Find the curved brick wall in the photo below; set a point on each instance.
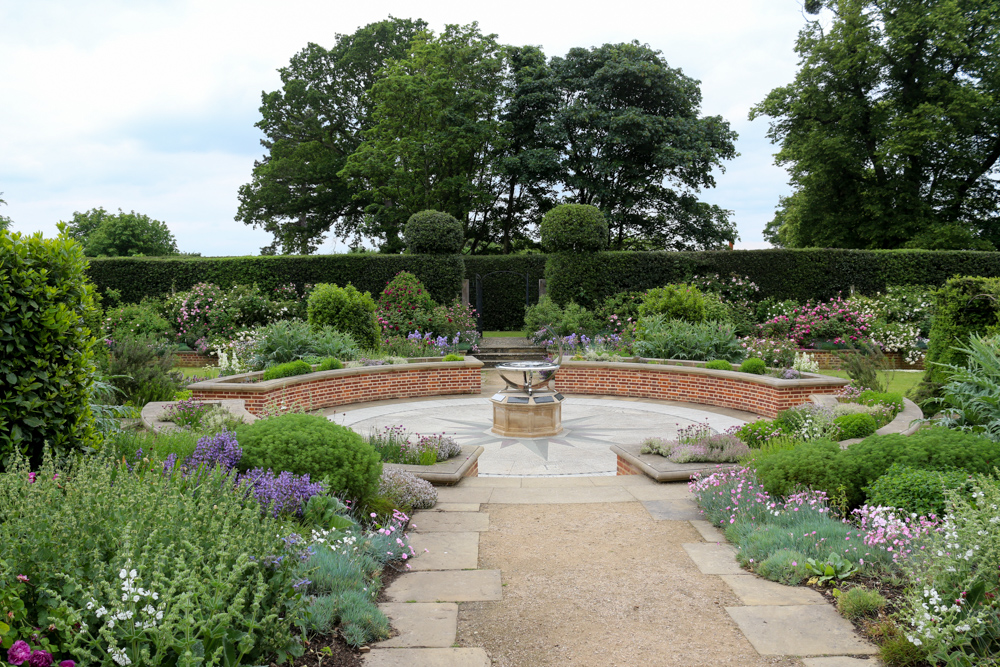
(758, 394)
(328, 389)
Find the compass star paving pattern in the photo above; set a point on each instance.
(590, 427)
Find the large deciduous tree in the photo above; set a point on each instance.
(311, 126)
(634, 146)
(891, 129)
(104, 234)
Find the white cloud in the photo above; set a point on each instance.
(150, 106)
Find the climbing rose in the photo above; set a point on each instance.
(18, 652)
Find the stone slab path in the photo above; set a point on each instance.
(781, 625)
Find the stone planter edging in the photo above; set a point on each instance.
(151, 413)
(447, 473)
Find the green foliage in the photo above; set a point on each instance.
(675, 302)
(759, 432)
(140, 320)
(285, 370)
(890, 398)
(866, 365)
(562, 321)
(719, 365)
(142, 371)
(910, 161)
(753, 365)
(285, 341)
(860, 602)
(73, 536)
(433, 233)
(917, 490)
(574, 228)
(452, 357)
(822, 465)
(312, 445)
(661, 338)
(405, 306)
(971, 399)
(347, 310)
(786, 566)
(330, 364)
(834, 567)
(859, 425)
(104, 234)
(46, 350)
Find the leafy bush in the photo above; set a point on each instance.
(719, 365)
(576, 228)
(290, 369)
(716, 309)
(347, 310)
(675, 302)
(890, 398)
(458, 318)
(330, 364)
(678, 339)
(807, 422)
(312, 445)
(786, 566)
(753, 365)
(98, 530)
(406, 489)
(971, 398)
(140, 320)
(281, 342)
(859, 425)
(563, 321)
(619, 312)
(916, 490)
(860, 602)
(142, 371)
(774, 352)
(199, 313)
(433, 233)
(404, 305)
(452, 357)
(866, 365)
(47, 349)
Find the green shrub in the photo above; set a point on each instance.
(47, 348)
(571, 319)
(287, 370)
(200, 313)
(719, 365)
(716, 309)
(281, 342)
(891, 398)
(330, 364)
(753, 365)
(786, 566)
(619, 311)
(458, 318)
(859, 425)
(404, 305)
(140, 320)
(866, 365)
(312, 445)
(142, 370)
(817, 464)
(453, 357)
(860, 602)
(433, 233)
(917, 491)
(661, 338)
(675, 302)
(970, 394)
(575, 228)
(347, 310)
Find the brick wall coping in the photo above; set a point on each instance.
(238, 384)
(445, 473)
(685, 367)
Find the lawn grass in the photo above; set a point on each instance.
(503, 334)
(200, 371)
(899, 381)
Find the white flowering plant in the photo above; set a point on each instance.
(952, 604)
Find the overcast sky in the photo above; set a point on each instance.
(150, 106)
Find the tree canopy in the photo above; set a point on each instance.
(494, 135)
(891, 129)
(5, 221)
(104, 234)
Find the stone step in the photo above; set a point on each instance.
(427, 657)
(421, 624)
(445, 551)
(505, 342)
(446, 586)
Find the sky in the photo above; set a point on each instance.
(150, 105)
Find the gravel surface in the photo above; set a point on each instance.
(601, 585)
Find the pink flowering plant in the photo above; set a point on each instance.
(836, 321)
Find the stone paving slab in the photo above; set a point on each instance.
(713, 558)
(454, 507)
(450, 522)
(622, 480)
(753, 591)
(672, 510)
(421, 624)
(709, 533)
(445, 551)
(491, 481)
(800, 630)
(668, 491)
(427, 657)
(840, 661)
(554, 496)
(464, 494)
(447, 586)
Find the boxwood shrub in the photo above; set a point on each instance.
(290, 369)
(347, 310)
(859, 425)
(433, 233)
(917, 490)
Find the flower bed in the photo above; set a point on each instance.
(689, 381)
(428, 376)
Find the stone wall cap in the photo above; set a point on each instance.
(696, 368)
(448, 472)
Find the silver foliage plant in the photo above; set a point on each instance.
(407, 489)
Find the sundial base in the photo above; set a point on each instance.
(518, 415)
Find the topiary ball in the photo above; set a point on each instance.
(574, 228)
(433, 233)
(312, 445)
(719, 365)
(753, 365)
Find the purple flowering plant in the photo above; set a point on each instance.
(187, 413)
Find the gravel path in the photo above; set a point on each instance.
(601, 585)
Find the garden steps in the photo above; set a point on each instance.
(493, 351)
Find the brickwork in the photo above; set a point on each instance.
(473, 471)
(195, 360)
(335, 388)
(626, 468)
(678, 383)
(828, 359)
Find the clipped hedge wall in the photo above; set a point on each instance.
(137, 277)
(503, 293)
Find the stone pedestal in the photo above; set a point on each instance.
(517, 415)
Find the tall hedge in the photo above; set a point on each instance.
(137, 277)
(45, 346)
(503, 293)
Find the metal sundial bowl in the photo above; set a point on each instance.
(521, 410)
(528, 370)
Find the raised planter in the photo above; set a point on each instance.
(152, 414)
(690, 382)
(428, 376)
(447, 473)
